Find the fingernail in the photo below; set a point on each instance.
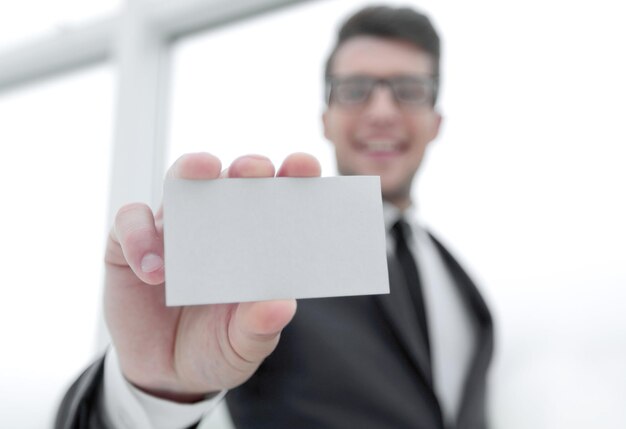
(151, 262)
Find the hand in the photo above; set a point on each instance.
(185, 353)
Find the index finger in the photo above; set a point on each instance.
(196, 166)
(191, 166)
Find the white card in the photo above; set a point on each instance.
(235, 240)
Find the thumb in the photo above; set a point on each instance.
(255, 328)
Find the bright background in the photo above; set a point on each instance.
(526, 183)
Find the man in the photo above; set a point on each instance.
(416, 358)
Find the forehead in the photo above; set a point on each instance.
(380, 57)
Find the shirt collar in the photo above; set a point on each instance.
(392, 214)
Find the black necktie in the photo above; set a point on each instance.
(409, 267)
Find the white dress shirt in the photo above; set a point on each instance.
(126, 407)
(451, 332)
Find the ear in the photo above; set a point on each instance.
(435, 125)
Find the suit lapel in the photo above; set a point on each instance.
(475, 380)
(399, 311)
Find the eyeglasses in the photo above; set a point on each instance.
(407, 90)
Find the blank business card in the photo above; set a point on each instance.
(236, 240)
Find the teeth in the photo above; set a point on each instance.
(381, 145)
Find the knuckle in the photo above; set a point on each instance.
(138, 237)
(130, 209)
(134, 225)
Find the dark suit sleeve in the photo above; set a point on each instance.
(79, 408)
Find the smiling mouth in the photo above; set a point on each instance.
(381, 147)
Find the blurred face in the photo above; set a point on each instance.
(380, 134)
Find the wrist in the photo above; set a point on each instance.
(167, 388)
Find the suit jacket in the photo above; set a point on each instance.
(360, 362)
(350, 362)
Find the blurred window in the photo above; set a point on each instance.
(54, 181)
(24, 20)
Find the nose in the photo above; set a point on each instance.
(382, 104)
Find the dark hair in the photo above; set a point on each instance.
(402, 23)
